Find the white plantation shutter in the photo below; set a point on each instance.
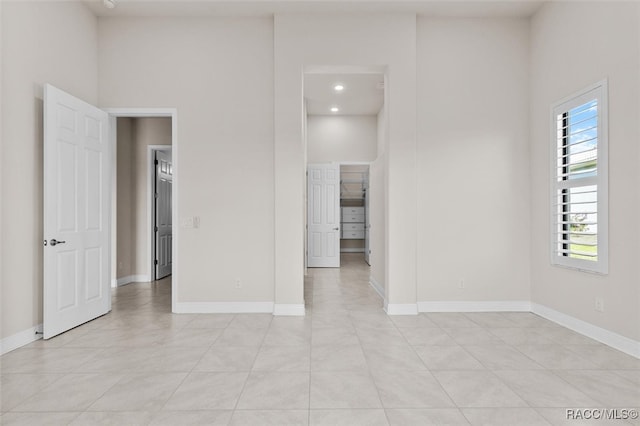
(579, 205)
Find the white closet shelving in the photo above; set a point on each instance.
(354, 182)
(354, 186)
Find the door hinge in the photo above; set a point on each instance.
(156, 195)
(155, 162)
(156, 261)
(155, 228)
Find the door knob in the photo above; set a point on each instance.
(55, 242)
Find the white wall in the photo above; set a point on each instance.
(341, 138)
(473, 167)
(574, 45)
(41, 43)
(377, 202)
(1, 165)
(125, 217)
(218, 73)
(365, 41)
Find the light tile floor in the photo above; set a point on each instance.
(345, 363)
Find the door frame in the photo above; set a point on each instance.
(306, 217)
(358, 163)
(348, 69)
(114, 114)
(151, 205)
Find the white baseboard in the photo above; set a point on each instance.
(223, 307)
(289, 309)
(352, 250)
(20, 339)
(475, 306)
(142, 278)
(616, 341)
(376, 286)
(400, 308)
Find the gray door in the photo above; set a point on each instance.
(162, 227)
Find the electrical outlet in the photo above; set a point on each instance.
(599, 302)
(238, 283)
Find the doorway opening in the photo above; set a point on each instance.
(145, 199)
(344, 130)
(354, 210)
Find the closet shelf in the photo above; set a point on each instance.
(354, 188)
(353, 194)
(354, 181)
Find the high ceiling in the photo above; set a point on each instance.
(362, 94)
(199, 8)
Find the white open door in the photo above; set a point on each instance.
(163, 228)
(76, 212)
(323, 215)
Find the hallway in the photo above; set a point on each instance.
(346, 362)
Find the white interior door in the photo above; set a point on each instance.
(76, 212)
(163, 227)
(323, 215)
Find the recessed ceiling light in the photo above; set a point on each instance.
(338, 87)
(335, 109)
(109, 4)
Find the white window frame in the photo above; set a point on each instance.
(597, 91)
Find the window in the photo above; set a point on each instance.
(579, 181)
